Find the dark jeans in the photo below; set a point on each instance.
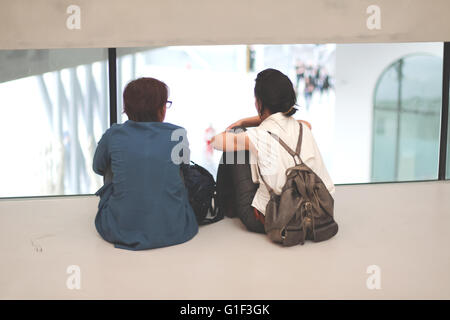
(236, 188)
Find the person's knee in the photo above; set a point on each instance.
(254, 226)
(248, 218)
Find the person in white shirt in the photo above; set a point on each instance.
(275, 102)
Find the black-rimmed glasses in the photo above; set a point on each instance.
(168, 104)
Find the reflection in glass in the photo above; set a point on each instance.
(407, 109)
(385, 131)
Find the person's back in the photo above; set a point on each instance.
(145, 205)
(273, 160)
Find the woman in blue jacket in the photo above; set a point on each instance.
(144, 203)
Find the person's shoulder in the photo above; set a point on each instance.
(309, 145)
(259, 136)
(307, 134)
(304, 125)
(175, 132)
(113, 128)
(172, 129)
(160, 126)
(171, 126)
(116, 129)
(257, 131)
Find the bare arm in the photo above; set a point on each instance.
(256, 121)
(228, 141)
(246, 122)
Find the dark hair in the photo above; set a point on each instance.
(275, 91)
(144, 98)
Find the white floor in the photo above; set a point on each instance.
(402, 228)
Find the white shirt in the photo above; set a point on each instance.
(274, 160)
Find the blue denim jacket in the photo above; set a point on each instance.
(143, 203)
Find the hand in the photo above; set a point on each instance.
(235, 124)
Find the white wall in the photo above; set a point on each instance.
(358, 67)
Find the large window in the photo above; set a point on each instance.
(212, 86)
(375, 109)
(54, 107)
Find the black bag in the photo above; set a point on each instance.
(201, 189)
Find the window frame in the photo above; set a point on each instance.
(399, 113)
(443, 152)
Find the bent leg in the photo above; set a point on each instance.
(245, 191)
(243, 188)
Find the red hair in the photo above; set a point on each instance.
(144, 98)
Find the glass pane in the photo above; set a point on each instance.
(417, 105)
(212, 86)
(421, 103)
(384, 150)
(419, 147)
(387, 89)
(360, 121)
(422, 84)
(55, 108)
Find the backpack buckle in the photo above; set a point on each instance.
(308, 206)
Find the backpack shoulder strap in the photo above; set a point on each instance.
(289, 150)
(295, 153)
(300, 138)
(264, 181)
